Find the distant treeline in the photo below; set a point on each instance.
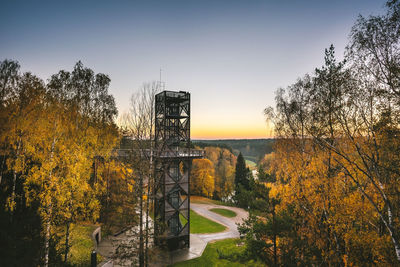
(252, 149)
(206, 144)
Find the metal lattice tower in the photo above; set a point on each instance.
(172, 169)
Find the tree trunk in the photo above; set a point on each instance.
(49, 213)
(397, 249)
(141, 254)
(13, 191)
(392, 234)
(67, 243)
(274, 236)
(386, 222)
(47, 237)
(2, 167)
(14, 182)
(146, 252)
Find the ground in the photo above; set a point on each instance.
(81, 244)
(198, 242)
(251, 164)
(220, 253)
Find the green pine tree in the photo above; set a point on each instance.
(241, 173)
(242, 183)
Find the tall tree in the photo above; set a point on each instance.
(224, 165)
(138, 124)
(91, 134)
(241, 174)
(23, 97)
(350, 120)
(346, 122)
(202, 177)
(9, 76)
(51, 134)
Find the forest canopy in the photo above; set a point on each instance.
(50, 134)
(333, 179)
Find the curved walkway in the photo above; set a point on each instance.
(230, 223)
(198, 242)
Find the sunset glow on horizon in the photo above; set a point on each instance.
(200, 133)
(229, 130)
(230, 55)
(210, 134)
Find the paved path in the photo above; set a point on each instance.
(230, 223)
(198, 242)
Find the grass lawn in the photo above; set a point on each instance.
(254, 159)
(211, 257)
(81, 245)
(202, 225)
(224, 212)
(251, 164)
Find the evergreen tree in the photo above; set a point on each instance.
(242, 184)
(241, 174)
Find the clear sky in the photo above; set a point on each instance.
(230, 55)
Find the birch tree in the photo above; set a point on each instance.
(50, 135)
(138, 124)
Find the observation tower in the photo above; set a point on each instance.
(172, 164)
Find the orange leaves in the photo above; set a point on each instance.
(202, 177)
(224, 165)
(337, 213)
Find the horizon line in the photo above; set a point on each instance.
(227, 139)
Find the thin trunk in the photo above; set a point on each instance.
(396, 248)
(141, 256)
(388, 225)
(67, 243)
(14, 181)
(47, 237)
(13, 192)
(147, 226)
(49, 212)
(150, 175)
(107, 194)
(2, 167)
(95, 170)
(394, 239)
(146, 257)
(274, 236)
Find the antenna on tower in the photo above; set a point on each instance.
(161, 83)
